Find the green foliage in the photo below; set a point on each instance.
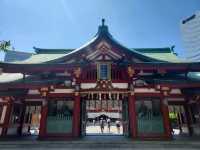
(5, 46)
(173, 115)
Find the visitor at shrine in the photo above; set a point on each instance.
(102, 125)
(94, 121)
(118, 126)
(108, 124)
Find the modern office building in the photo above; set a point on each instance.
(190, 30)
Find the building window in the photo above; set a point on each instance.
(104, 71)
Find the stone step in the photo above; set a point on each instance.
(98, 145)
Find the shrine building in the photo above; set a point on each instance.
(54, 93)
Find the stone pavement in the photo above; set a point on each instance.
(100, 143)
(90, 130)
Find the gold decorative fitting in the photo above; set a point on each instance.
(52, 87)
(76, 93)
(162, 71)
(158, 87)
(66, 73)
(132, 93)
(44, 91)
(165, 93)
(7, 98)
(130, 71)
(77, 72)
(165, 88)
(44, 94)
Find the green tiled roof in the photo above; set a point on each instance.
(41, 58)
(163, 54)
(45, 55)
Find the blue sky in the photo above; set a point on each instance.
(71, 23)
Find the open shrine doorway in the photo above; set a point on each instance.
(31, 123)
(179, 120)
(31, 119)
(22, 120)
(104, 114)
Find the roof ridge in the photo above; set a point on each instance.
(154, 50)
(49, 51)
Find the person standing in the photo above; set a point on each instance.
(118, 126)
(108, 124)
(102, 125)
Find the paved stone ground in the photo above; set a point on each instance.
(97, 130)
(100, 143)
(105, 141)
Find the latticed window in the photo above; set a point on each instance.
(104, 71)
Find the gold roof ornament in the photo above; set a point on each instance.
(44, 91)
(130, 71)
(77, 72)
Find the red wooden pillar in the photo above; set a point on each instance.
(43, 120)
(7, 118)
(132, 115)
(166, 121)
(76, 115)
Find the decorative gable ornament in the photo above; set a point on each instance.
(103, 47)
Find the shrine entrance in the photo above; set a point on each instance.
(104, 114)
(179, 120)
(31, 120)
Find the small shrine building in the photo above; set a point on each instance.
(53, 89)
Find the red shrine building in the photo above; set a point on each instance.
(56, 91)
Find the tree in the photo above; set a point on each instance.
(5, 46)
